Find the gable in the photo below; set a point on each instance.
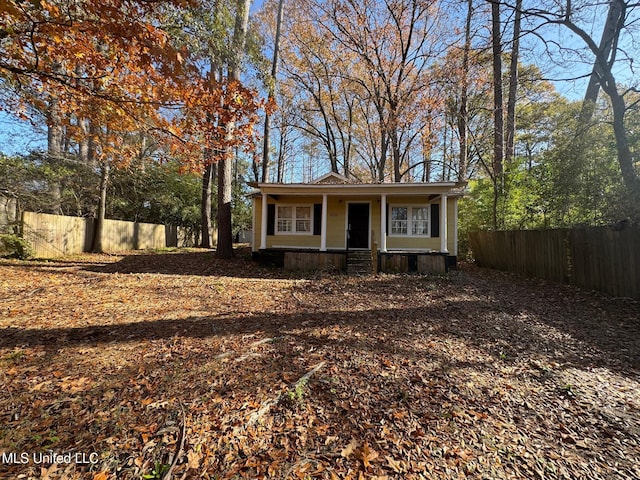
(331, 178)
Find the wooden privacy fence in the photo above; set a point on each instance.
(597, 258)
(58, 235)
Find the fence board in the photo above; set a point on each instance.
(597, 258)
(58, 235)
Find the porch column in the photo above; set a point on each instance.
(443, 224)
(455, 226)
(383, 223)
(263, 224)
(323, 228)
(254, 222)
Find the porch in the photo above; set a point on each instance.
(350, 262)
(404, 227)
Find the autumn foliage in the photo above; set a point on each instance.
(106, 69)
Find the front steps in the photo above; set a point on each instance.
(359, 263)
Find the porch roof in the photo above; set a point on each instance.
(451, 189)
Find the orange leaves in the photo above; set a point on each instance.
(449, 409)
(363, 453)
(218, 116)
(111, 65)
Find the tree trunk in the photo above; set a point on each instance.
(225, 231)
(464, 97)
(205, 207)
(513, 86)
(384, 149)
(55, 139)
(105, 171)
(625, 157)
(281, 157)
(272, 89)
(266, 140)
(609, 36)
(396, 155)
(498, 120)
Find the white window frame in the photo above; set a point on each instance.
(410, 220)
(294, 207)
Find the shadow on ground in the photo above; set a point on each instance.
(198, 263)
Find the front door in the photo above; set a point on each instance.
(358, 225)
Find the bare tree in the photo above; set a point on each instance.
(513, 85)
(608, 55)
(272, 88)
(464, 97)
(498, 111)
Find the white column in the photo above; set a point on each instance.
(443, 224)
(323, 231)
(263, 224)
(455, 226)
(254, 233)
(383, 223)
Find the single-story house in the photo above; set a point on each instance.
(333, 221)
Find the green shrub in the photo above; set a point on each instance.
(12, 246)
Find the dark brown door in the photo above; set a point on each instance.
(358, 225)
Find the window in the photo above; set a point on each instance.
(303, 219)
(399, 217)
(293, 219)
(285, 217)
(410, 220)
(419, 221)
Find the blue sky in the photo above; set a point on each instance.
(20, 137)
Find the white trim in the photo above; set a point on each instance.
(323, 224)
(293, 207)
(383, 223)
(410, 207)
(443, 224)
(415, 250)
(335, 175)
(253, 226)
(358, 189)
(455, 227)
(346, 224)
(296, 247)
(263, 226)
(367, 186)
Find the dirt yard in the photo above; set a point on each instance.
(177, 365)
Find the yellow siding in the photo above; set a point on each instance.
(296, 241)
(257, 222)
(413, 243)
(337, 222)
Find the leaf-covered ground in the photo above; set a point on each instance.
(177, 365)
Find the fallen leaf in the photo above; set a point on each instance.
(193, 460)
(367, 454)
(349, 449)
